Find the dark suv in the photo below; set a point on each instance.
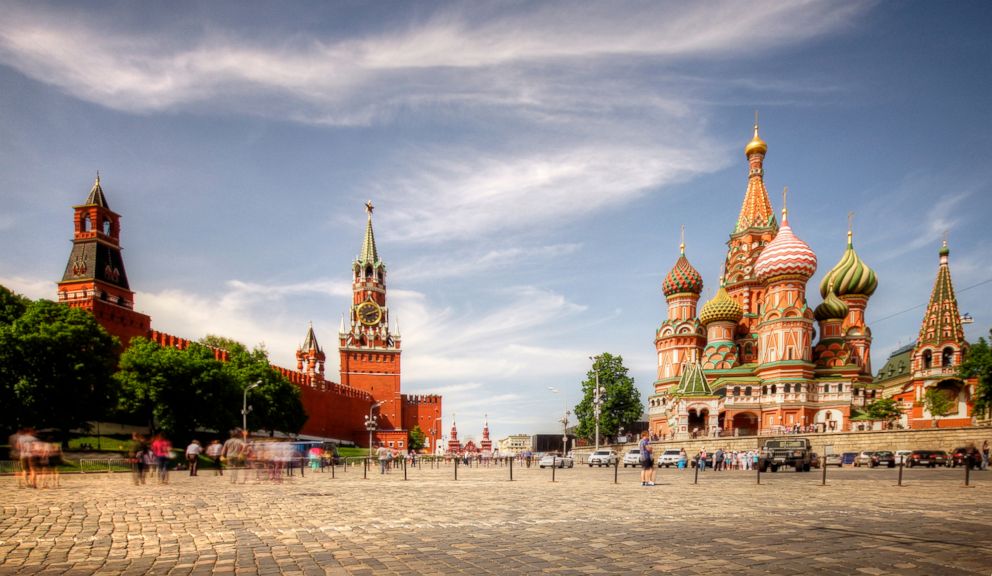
(961, 456)
(792, 452)
(883, 458)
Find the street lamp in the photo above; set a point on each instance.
(597, 398)
(245, 409)
(370, 423)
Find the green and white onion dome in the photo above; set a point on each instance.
(851, 276)
(832, 308)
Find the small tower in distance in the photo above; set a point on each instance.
(94, 277)
(310, 358)
(486, 445)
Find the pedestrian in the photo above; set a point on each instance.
(647, 462)
(702, 459)
(193, 456)
(683, 459)
(163, 453)
(718, 460)
(383, 454)
(985, 455)
(233, 454)
(214, 453)
(138, 449)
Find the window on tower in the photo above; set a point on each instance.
(927, 359)
(947, 356)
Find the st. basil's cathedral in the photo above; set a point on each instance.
(749, 362)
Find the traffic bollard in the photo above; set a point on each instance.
(696, 479)
(456, 468)
(365, 475)
(900, 471)
(616, 470)
(758, 468)
(967, 472)
(554, 464)
(332, 469)
(511, 470)
(824, 481)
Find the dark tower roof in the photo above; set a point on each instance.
(96, 197)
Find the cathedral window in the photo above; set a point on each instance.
(737, 390)
(774, 388)
(764, 390)
(106, 227)
(747, 390)
(787, 387)
(927, 359)
(87, 224)
(947, 356)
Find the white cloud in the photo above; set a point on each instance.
(32, 288)
(462, 262)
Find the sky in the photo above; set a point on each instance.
(531, 165)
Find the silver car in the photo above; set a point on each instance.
(553, 459)
(669, 457)
(632, 458)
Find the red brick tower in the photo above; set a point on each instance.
(94, 278)
(681, 337)
(756, 226)
(486, 445)
(370, 352)
(310, 358)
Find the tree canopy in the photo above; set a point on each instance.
(886, 409)
(621, 399)
(978, 364)
(56, 365)
(936, 402)
(417, 437)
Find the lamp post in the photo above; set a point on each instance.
(245, 409)
(597, 398)
(370, 424)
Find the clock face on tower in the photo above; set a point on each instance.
(369, 313)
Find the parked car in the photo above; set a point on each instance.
(556, 460)
(669, 458)
(602, 458)
(833, 460)
(928, 458)
(863, 459)
(883, 458)
(901, 456)
(632, 458)
(848, 458)
(791, 452)
(814, 460)
(961, 456)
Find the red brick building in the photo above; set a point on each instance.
(369, 345)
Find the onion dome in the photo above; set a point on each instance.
(756, 145)
(832, 308)
(786, 254)
(682, 278)
(851, 276)
(722, 308)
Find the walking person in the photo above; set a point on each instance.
(233, 453)
(383, 454)
(214, 453)
(163, 453)
(193, 452)
(985, 455)
(702, 459)
(138, 449)
(647, 462)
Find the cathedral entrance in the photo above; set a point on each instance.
(698, 421)
(745, 424)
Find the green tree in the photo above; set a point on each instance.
(978, 364)
(886, 409)
(937, 403)
(276, 402)
(178, 391)
(12, 306)
(56, 367)
(621, 399)
(417, 437)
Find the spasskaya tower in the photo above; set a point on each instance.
(370, 350)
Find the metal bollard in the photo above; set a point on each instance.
(554, 464)
(365, 475)
(823, 465)
(332, 469)
(967, 472)
(900, 470)
(456, 468)
(758, 468)
(616, 470)
(511, 470)
(696, 479)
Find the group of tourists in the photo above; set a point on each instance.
(38, 460)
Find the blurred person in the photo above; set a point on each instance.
(233, 454)
(383, 455)
(46, 454)
(985, 455)
(137, 453)
(25, 449)
(213, 452)
(193, 452)
(162, 449)
(647, 461)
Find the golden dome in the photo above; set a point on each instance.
(756, 145)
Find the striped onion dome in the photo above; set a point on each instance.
(851, 276)
(786, 254)
(721, 308)
(682, 278)
(832, 308)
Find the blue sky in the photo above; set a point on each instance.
(531, 164)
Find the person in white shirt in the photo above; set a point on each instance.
(193, 456)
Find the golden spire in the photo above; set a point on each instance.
(756, 145)
(850, 228)
(682, 241)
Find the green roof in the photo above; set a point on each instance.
(693, 381)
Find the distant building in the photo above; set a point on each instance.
(514, 444)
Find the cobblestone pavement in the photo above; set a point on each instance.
(583, 523)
